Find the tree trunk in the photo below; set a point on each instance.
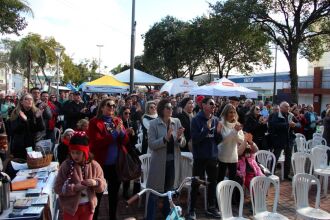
(29, 74)
(294, 78)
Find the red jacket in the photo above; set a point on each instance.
(100, 139)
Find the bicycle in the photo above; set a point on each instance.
(176, 211)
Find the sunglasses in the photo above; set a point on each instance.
(127, 113)
(211, 103)
(168, 106)
(257, 109)
(110, 105)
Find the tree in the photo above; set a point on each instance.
(162, 48)
(193, 47)
(11, 20)
(297, 27)
(232, 42)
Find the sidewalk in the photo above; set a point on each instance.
(286, 205)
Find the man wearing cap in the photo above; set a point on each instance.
(75, 111)
(206, 135)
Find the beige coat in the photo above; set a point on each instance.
(157, 131)
(69, 200)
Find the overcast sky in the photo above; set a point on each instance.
(80, 25)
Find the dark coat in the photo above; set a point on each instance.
(25, 133)
(73, 114)
(253, 126)
(185, 122)
(326, 132)
(281, 134)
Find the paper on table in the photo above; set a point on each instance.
(19, 166)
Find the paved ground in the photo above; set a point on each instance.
(285, 206)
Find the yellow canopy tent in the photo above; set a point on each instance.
(106, 84)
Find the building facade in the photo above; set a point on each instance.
(312, 89)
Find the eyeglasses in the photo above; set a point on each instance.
(127, 113)
(110, 105)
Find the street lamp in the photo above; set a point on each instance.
(58, 52)
(131, 75)
(99, 46)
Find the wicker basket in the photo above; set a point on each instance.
(34, 163)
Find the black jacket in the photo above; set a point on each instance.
(25, 133)
(253, 126)
(281, 134)
(73, 114)
(185, 122)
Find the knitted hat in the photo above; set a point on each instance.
(79, 141)
(199, 99)
(184, 102)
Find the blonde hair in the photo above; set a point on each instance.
(226, 110)
(19, 107)
(81, 123)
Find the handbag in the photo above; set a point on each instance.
(128, 165)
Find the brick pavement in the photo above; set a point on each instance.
(285, 206)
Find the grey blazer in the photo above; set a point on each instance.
(157, 131)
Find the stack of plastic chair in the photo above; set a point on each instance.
(320, 164)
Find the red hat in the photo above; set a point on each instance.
(79, 141)
(200, 98)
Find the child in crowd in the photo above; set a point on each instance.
(247, 167)
(78, 179)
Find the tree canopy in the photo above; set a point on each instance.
(11, 19)
(297, 27)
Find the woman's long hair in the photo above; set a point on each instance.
(19, 107)
(225, 112)
(252, 111)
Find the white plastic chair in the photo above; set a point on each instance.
(281, 160)
(186, 171)
(300, 144)
(316, 134)
(55, 152)
(300, 186)
(319, 141)
(308, 146)
(258, 190)
(57, 134)
(299, 135)
(300, 162)
(138, 145)
(268, 159)
(224, 196)
(320, 163)
(145, 164)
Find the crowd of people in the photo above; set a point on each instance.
(222, 135)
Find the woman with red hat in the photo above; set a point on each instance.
(78, 180)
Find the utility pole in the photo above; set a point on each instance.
(131, 75)
(99, 46)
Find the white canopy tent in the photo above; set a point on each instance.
(224, 87)
(179, 85)
(140, 78)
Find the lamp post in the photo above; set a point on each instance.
(131, 75)
(99, 46)
(58, 52)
